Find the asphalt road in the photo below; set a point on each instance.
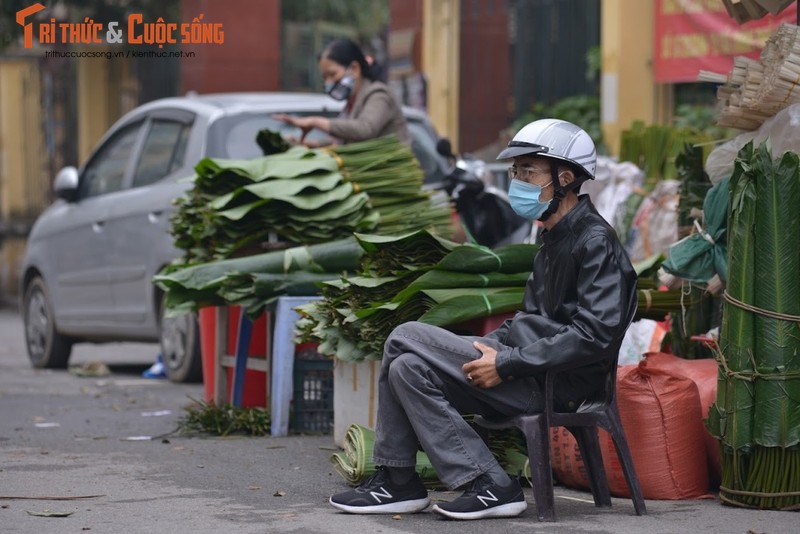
(69, 437)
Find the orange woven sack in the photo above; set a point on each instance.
(565, 458)
(660, 414)
(704, 374)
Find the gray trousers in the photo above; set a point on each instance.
(422, 394)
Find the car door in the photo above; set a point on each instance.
(78, 247)
(139, 223)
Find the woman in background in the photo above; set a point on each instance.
(371, 110)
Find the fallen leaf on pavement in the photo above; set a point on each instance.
(92, 369)
(48, 513)
(48, 497)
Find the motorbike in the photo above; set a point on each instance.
(484, 209)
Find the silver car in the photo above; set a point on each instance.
(92, 254)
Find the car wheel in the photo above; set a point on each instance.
(47, 349)
(180, 347)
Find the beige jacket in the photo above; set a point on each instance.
(375, 113)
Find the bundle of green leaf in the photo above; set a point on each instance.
(255, 281)
(413, 277)
(699, 258)
(757, 412)
(304, 196)
(355, 463)
(655, 303)
(653, 149)
(418, 277)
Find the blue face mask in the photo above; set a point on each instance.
(524, 198)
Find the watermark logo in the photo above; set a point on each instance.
(134, 31)
(22, 14)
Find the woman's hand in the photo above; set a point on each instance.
(306, 124)
(482, 372)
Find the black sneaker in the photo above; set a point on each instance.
(485, 499)
(379, 495)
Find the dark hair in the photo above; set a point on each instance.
(344, 52)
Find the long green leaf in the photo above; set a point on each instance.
(731, 418)
(777, 271)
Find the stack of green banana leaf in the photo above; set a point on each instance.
(418, 277)
(757, 412)
(304, 196)
(441, 284)
(255, 281)
(355, 463)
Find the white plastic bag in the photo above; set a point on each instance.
(614, 182)
(783, 130)
(655, 226)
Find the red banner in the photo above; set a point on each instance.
(695, 35)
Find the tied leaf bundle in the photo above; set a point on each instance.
(757, 412)
(355, 463)
(255, 281)
(700, 257)
(439, 285)
(304, 196)
(654, 149)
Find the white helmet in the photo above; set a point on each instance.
(557, 139)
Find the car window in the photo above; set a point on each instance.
(106, 170)
(235, 137)
(163, 151)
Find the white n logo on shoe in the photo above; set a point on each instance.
(485, 500)
(377, 495)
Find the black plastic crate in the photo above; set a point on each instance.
(312, 402)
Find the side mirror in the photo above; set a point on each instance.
(66, 184)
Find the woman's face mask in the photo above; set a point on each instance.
(524, 199)
(342, 88)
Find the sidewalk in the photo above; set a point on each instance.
(64, 436)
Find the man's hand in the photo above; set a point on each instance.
(483, 372)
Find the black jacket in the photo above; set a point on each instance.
(578, 302)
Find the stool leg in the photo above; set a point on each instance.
(242, 352)
(283, 363)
